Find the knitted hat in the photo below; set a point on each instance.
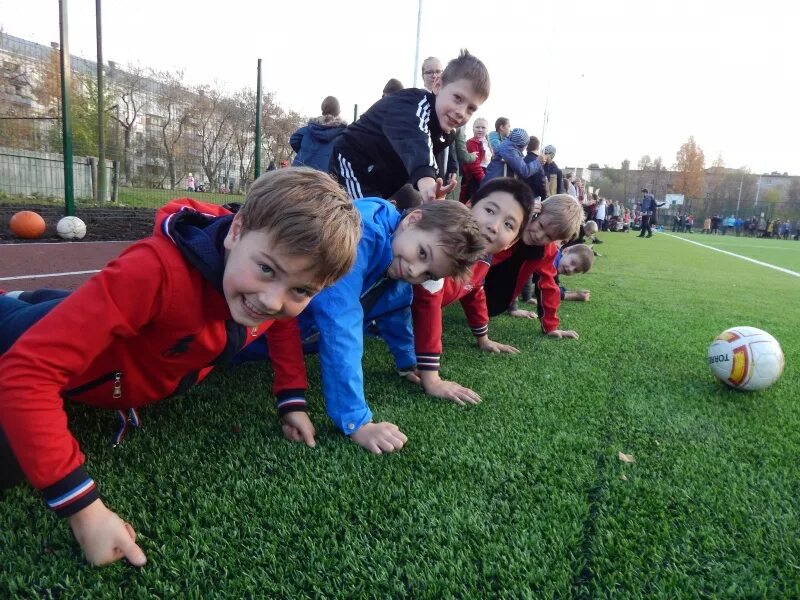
(550, 149)
(519, 137)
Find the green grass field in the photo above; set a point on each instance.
(522, 496)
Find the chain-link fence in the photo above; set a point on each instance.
(163, 136)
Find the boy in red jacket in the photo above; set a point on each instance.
(534, 255)
(502, 208)
(157, 319)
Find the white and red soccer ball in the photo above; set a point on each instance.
(746, 358)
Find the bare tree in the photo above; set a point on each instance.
(279, 125)
(132, 99)
(645, 163)
(214, 114)
(175, 106)
(244, 124)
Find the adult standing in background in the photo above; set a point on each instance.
(392, 86)
(648, 207)
(314, 142)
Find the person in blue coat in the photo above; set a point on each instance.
(313, 143)
(508, 160)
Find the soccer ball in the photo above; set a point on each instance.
(746, 358)
(27, 225)
(71, 228)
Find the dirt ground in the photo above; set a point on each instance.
(102, 224)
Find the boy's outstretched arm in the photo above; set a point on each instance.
(427, 312)
(548, 296)
(290, 384)
(477, 313)
(339, 317)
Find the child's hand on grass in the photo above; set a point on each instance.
(411, 375)
(523, 314)
(449, 390)
(583, 295)
(563, 333)
(297, 427)
(104, 537)
(487, 345)
(379, 437)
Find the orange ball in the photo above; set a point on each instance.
(27, 224)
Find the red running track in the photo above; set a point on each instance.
(53, 265)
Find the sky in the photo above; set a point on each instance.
(617, 79)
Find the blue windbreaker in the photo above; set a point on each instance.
(335, 318)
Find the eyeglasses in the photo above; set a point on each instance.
(435, 72)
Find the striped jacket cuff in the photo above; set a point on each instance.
(428, 362)
(74, 492)
(291, 401)
(481, 330)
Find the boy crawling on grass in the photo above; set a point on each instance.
(501, 208)
(157, 320)
(534, 255)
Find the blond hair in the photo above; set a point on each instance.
(583, 253)
(459, 236)
(565, 216)
(590, 227)
(468, 67)
(309, 215)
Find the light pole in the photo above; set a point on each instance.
(416, 52)
(739, 200)
(758, 190)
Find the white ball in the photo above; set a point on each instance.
(71, 228)
(746, 358)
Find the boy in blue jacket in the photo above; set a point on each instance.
(436, 240)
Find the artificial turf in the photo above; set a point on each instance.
(521, 496)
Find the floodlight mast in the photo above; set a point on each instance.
(416, 52)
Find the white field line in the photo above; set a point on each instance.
(44, 275)
(752, 260)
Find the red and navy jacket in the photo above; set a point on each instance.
(429, 300)
(150, 324)
(511, 268)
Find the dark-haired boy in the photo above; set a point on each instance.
(534, 255)
(501, 208)
(397, 139)
(157, 319)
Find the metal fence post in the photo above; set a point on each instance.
(257, 171)
(100, 196)
(66, 118)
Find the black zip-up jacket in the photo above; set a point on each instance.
(395, 142)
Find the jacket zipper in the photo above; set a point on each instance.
(115, 375)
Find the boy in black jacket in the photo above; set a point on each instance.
(396, 141)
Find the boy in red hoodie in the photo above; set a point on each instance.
(156, 320)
